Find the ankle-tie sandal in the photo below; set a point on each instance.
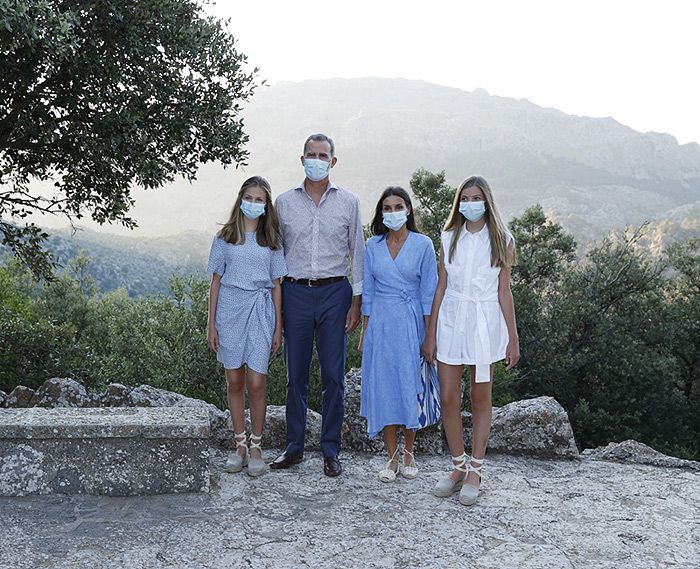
(389, 475)
(409, 471)
(446, 486)
(256, 466)
(469, 494)
(235, 461)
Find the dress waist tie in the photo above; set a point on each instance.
(409, 298)
(483, 342)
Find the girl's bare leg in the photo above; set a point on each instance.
(482, 409)
(255, 383)
(451, 404)
(235, 384)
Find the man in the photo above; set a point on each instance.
(321, 226)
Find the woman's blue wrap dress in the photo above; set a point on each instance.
(396, 295)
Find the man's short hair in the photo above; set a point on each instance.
(320, 138)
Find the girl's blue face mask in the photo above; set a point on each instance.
(252, 210)
(394, 220)
(473, 211)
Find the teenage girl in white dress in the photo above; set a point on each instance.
(472, 323)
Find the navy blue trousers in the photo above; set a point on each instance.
(315, 313)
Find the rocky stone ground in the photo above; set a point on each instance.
(533, 513)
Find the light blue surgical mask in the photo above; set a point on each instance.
(252, 210)
(316, 169)
(394, 220)
(473, 211)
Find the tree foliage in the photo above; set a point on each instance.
(100, 96)
(434, 197)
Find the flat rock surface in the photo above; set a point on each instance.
(533, 513)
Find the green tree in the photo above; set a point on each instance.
(434, 197)
(545, 252)
(101, 96)
(34, 346)
(681, 325)
(603, 356)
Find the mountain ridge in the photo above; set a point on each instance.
(591, 174)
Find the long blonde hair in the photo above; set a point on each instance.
(501, 256)
(268, 232)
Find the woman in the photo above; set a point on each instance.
(399, 283)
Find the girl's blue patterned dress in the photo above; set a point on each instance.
(245, 314)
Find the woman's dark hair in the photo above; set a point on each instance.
(377, 226)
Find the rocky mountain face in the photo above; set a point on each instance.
(446, 124)
(593, 174)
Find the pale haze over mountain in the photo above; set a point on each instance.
(591, 174)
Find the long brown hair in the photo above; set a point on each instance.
(268, 232)
(498, 233)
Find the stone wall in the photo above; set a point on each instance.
(536, 427)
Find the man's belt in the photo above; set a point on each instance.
(314, 282)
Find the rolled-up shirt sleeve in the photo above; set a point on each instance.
(428, 277)
(356, 245)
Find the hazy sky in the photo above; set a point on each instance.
(636, 61)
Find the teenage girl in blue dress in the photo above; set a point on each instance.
(245, 311)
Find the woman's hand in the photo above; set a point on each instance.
(213, 338)
(276, 341)
(429, 348)
(512, 353)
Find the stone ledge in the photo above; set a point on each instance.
(103, 423)
(114, 452)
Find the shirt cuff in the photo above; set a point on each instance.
(357, 288)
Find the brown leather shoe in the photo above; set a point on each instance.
(332, 466)
(285, 460)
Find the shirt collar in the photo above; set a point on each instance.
(330, 186)
(482, 234)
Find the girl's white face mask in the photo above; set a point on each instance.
(252, 210)
(473, 211)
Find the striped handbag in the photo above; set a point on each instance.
(429, 397)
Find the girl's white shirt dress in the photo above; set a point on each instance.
(471, 328)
